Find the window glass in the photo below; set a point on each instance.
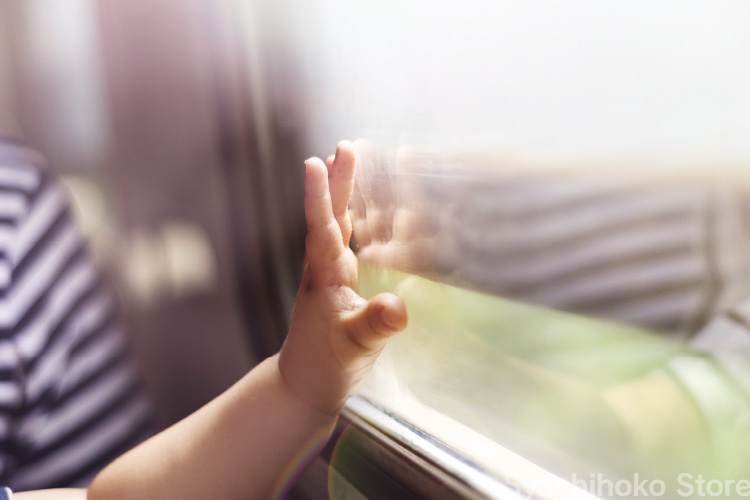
(558, 191)
(591, 320)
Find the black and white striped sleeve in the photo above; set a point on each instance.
(70, 400)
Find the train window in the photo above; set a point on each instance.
(557, 191)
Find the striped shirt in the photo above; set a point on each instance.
(70, 401)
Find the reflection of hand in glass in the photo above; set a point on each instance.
(392, 227)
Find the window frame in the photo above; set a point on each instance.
(374, 454)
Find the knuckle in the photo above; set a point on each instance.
(322, 247)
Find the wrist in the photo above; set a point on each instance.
(328, 412)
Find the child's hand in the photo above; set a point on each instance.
(335, 335)
(240, 444)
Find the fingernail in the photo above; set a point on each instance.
(384, 318)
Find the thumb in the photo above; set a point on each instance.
(371, 326)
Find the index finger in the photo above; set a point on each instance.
(324, 239)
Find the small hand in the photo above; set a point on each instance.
(335, 335)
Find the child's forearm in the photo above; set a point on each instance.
(238, 446)
(62, 494)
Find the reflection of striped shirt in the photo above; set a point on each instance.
(69, 397)
(665, 253)
(654, 249)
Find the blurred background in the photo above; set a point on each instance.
(147, 110)
(180, 128)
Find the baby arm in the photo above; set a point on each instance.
(238, 445)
